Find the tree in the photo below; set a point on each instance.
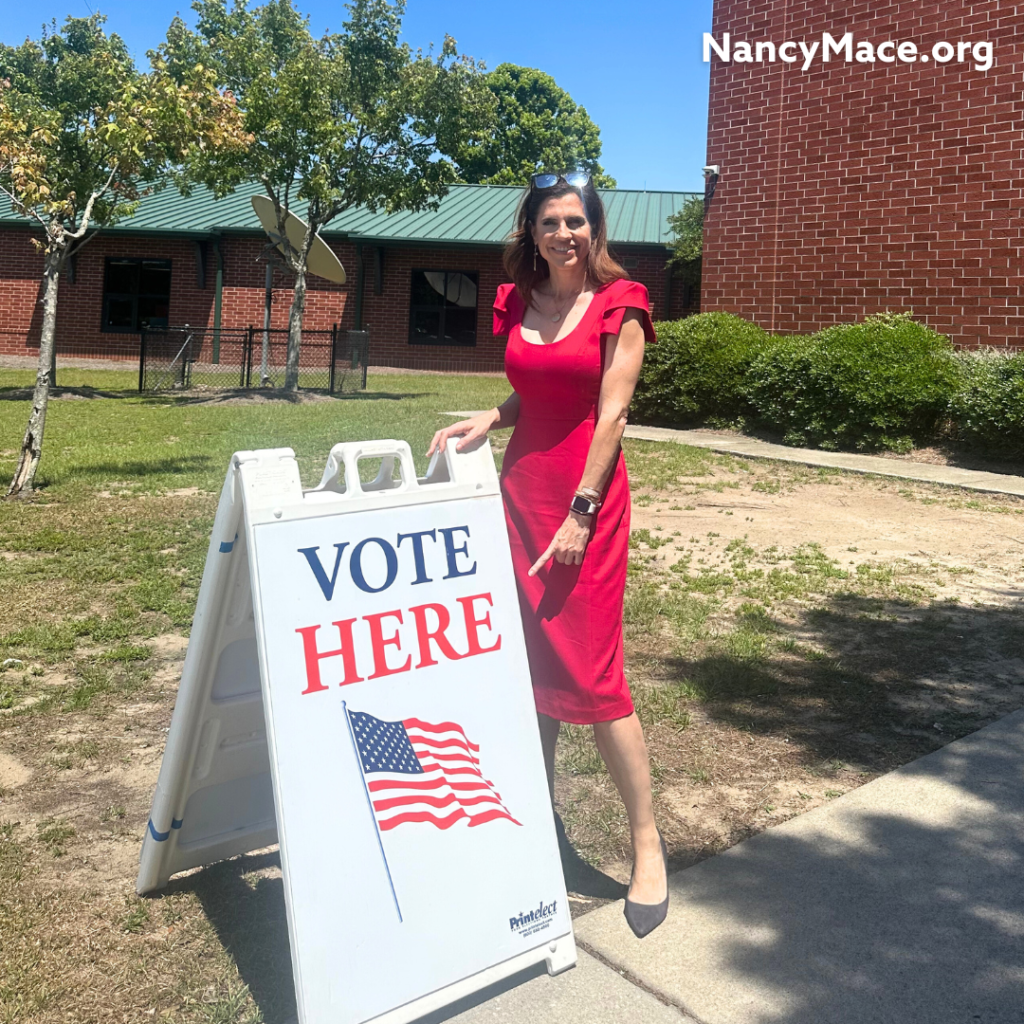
(687, 225)
(350, 119)
(83, 135)
(538, 127)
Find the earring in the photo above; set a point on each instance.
(534, 255)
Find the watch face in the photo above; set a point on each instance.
(582, 505)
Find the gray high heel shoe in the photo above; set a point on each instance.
(643, 918)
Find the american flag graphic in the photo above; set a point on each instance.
(421, 771)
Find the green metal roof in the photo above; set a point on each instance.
(468, 215)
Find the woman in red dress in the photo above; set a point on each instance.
(576, 330)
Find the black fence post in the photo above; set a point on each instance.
(334, 358)
(142, 359)
(243, 374)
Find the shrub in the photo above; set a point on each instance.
(988, 408)
(883, 383)
(696, 371)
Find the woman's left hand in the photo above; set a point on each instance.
(569, 545)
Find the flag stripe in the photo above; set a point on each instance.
(431, 784)
(416, 723)
(401, 819)
(433, 801)
(441, 744)
(451, 757)
(480, 819)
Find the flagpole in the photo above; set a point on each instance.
(369, 804)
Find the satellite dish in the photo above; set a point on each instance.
(321, 260)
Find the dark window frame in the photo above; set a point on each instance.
(134, 296)
(440, 341)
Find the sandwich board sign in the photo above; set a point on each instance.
(356, 688)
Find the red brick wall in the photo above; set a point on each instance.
(387, 314)
(851, 189)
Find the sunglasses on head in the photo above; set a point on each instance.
(577, 179)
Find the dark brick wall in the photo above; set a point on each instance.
(387, 313)
(851, 189)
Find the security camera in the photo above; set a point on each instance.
(711, 171)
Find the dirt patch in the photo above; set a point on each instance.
(968, 550)
(13, 773)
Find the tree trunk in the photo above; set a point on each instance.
(291, 373)
(32, 445)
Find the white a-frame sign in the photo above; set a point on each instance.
(356, 687)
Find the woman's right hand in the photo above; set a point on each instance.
(468, 430)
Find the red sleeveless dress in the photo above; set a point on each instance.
(572, 614)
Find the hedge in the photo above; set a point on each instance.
(883, 383)
(988, 409)
(697, 370)
(887, 382)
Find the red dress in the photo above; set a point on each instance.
(572, 614)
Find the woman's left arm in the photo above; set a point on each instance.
(624, 355)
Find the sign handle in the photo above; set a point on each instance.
(369, 804)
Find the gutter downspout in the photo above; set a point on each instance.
(360, 285)
(218, 289)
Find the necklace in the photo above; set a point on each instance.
(562, 308)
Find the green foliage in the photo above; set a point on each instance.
(346, 119)
(697, 370)
(988, 408)
(536, 126)
(83, 133)
(883, 383)
(687, 226)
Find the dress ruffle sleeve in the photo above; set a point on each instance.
(508, 310)
(624, 295)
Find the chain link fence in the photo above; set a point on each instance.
(199, 358)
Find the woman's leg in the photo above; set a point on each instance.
(622, 746)
(548, 739)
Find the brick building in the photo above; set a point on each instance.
(851, 187)
(197, 261)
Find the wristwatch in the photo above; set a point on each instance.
(583, 506)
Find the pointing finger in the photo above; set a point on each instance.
(539, 564)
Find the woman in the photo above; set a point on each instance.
(576, 329)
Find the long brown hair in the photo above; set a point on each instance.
(519, 249)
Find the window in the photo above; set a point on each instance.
(443, 308)
(136, 294)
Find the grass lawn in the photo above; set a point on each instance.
(790, 634)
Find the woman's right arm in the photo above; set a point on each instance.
(504, 415)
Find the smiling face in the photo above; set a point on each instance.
(562, 232)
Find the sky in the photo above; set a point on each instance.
(635, 66)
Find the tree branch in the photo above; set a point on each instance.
(25, 211)
(87, 212)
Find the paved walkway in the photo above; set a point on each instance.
(901, 902)
(752, 448)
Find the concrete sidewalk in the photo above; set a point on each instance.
(752, 448)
